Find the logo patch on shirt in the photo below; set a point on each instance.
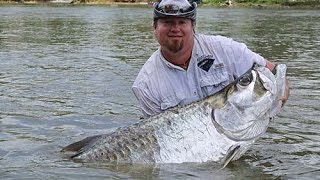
(205, 62)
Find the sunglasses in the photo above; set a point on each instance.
(174, 9)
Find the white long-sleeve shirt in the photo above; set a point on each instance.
(215, 62)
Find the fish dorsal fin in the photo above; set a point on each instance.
(77, 146)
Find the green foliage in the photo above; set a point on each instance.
(261, 1)
(306, 2)
(280, 2)
(246, 1)
(213, 1)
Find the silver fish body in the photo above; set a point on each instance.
(219, 128)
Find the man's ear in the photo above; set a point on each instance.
(154, 26)
(155, 34)
(194, 26)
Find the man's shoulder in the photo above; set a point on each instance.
(218, 42)
(213, 38)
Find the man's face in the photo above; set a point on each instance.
(174, 34)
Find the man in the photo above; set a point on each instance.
(188, 66)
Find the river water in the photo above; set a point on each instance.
(66, 73)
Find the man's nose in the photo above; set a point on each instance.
(175, 26)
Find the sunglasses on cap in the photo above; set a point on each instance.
(174, 9)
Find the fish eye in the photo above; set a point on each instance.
(245, 80)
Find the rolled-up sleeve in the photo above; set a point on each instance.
(243, 58)
(148, 104)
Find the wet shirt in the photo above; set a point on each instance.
(215, 62)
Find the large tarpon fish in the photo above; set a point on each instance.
(219, 128)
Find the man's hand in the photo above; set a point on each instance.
(285, 97)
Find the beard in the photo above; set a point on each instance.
(174, 45)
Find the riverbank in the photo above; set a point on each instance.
(205, 3)
(263, 3)
(266, 5)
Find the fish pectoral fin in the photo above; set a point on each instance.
(77, 146)
(232, 152)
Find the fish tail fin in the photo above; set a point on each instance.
(79, 146)
(232, 152)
